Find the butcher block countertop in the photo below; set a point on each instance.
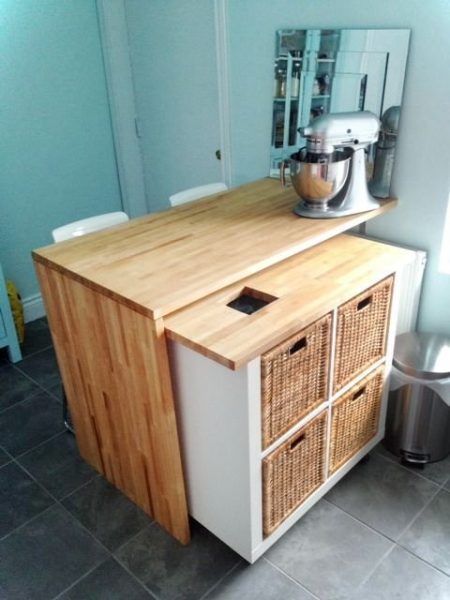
(306, 287)
(163, 262)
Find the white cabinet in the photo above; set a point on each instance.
(236, 482)
(8, 335)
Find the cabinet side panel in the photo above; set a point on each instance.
(114, 366)
(220, 447)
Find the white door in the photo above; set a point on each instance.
(173, 63)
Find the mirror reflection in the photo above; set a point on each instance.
(321, 71)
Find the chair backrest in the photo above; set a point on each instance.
(197, 193)
(89, 225)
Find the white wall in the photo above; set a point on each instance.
(422, 172)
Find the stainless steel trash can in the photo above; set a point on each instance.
(418, 415)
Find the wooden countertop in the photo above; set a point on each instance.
(307, 286)
(162, 262)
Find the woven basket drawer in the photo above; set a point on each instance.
(293, 471)
(361, 332)
(294, 378)
(355, 418)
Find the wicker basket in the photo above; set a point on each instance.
(293, 471)
(294, 378)
(361, 332)
(355, 417)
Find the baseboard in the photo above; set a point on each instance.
(33, 308)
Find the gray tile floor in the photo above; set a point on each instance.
(383, 533)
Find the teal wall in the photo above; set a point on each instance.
(422, 174)
(57, 161)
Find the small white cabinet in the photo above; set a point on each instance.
(8, 335)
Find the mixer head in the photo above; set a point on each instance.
(330, 176)
(351, 129)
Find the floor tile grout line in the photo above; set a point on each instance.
(34, 448)
(424, 507)
(59, 501)
(366, 525)
(10, 456)
(31, 354)
(80, 579)
(6, 464)
(397, 542)
(296, 581)
(409, 551)
(40, 386)
(44, 489)
(96, 475)
(25, 374)
(8, 363)
(107, 550)
(72, 585)
(55, 498)
(112, 552)
(135, 577)
(27, 397)
(220, 580)
(30, 397)
(377, 564)
(395, 461)
(33, 478)
(25, 523)
(136, 534)
(56, 502)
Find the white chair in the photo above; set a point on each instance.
(76, 229)
(197, 193)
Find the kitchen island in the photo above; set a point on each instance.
(113, 298)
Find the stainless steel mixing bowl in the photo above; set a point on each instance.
(319, 181)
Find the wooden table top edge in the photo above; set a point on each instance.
(236, 359)
(156, 311)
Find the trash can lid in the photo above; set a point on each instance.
(423, 355)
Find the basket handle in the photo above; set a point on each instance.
(357, 395)
(298, 440)
(299, 345)
(363, 303)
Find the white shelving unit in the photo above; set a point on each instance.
(219, 419)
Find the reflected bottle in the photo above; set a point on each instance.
(279, 84)
(316, 87)
(295, 81)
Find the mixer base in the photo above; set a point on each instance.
(303, 209)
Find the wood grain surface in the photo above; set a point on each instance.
(307, 286)
(106, 293)
(162, 262)
(114, 366)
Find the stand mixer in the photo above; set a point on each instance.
(329, 174)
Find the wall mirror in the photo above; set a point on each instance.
(319, 71)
